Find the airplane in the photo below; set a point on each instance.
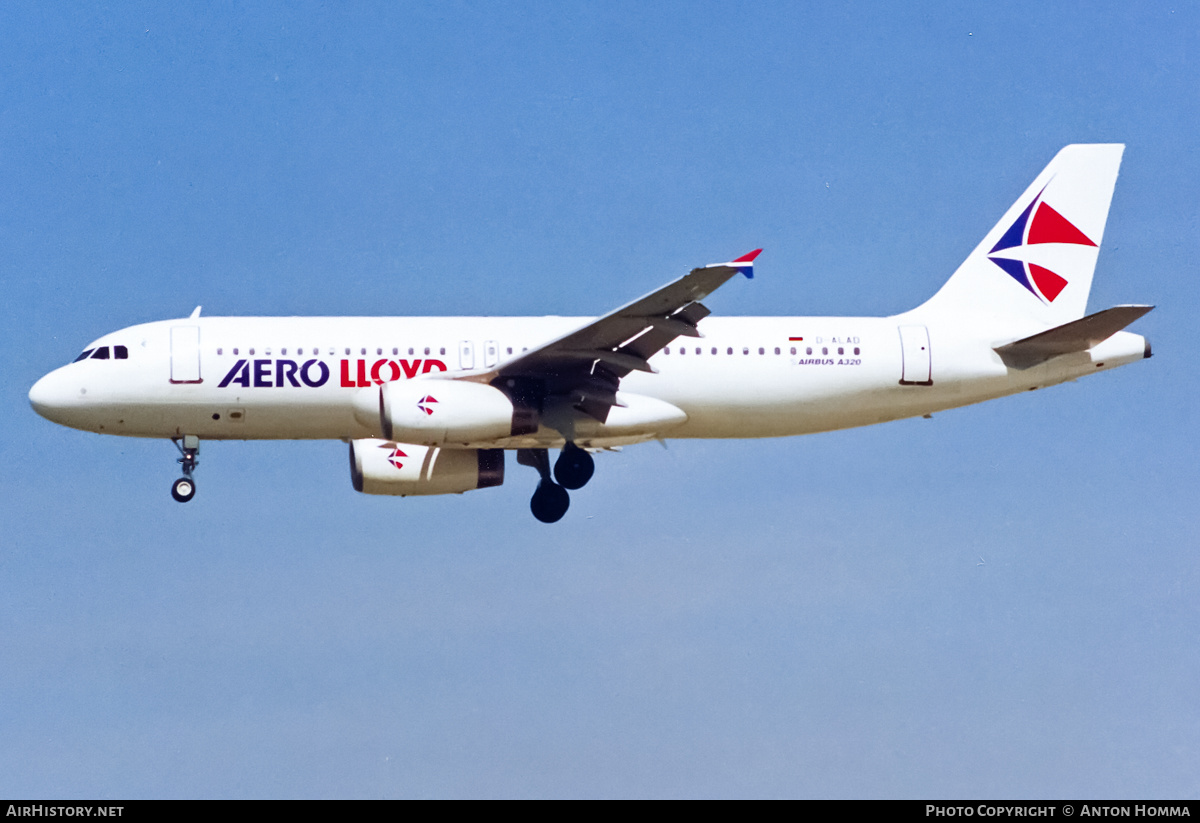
(430, 405)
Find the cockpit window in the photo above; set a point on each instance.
(87, 353)
(120, 353)
(101, 353)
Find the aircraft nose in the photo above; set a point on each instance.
(41, 397)
(51, 396)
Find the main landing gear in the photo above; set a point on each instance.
(572, 470)
(574, 467)
(184, 489)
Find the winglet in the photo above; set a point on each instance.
(745, 263)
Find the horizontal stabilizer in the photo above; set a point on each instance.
(1078, 335)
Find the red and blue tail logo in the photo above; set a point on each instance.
(1038, 224)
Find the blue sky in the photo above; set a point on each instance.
(998, 602)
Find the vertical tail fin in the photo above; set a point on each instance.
(1034, 268)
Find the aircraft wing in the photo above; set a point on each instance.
(584, 368)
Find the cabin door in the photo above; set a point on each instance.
(185, 354)
(917, 367)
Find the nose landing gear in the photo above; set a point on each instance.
(184, 489)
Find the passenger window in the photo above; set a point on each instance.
(86, 354)
(219, 350)
(745, 350)
(101, 353)
(697, 350)
(426, 350)
(281, 351)
(824, 350)
(714, 351)
(841, 350)
(510, 349)
(441, 351)
(793, 349)
(808, 350)
(410, 351)
(251, 352)
(761, 350)
(856, 351)
(729, 350)
(777, 350)
(235, 351)
(395, 351)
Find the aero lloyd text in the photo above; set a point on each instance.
(269, 373)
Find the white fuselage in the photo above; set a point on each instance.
(247, 378)
(427, 404)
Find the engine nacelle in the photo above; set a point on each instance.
(434, 412)
(387, 467)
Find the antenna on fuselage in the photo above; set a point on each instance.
(195, 312)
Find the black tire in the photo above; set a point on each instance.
(183, 489)
(574, 467)
(550, 502)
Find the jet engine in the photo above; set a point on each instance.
(387, 467)
(436, 412)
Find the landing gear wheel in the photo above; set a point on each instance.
(549, 502)
(183, 489)
(574, 467)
